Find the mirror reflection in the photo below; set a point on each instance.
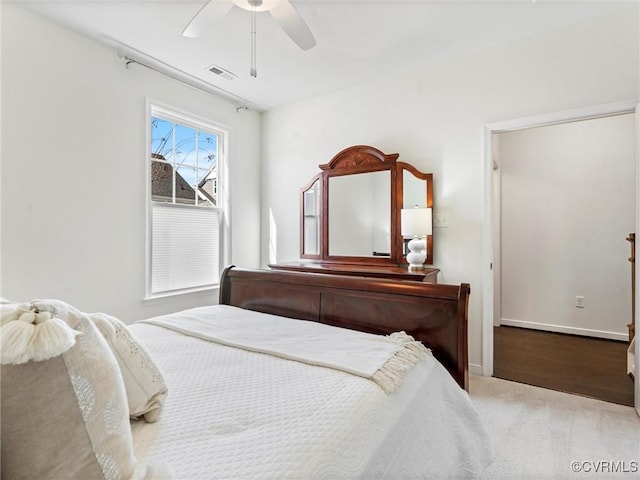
(311, 220)
(414, 191)
(360, 215)
(414, 194)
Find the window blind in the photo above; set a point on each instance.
(184, 247)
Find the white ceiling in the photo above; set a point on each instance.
(357, 40)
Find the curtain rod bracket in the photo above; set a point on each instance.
(127, 61)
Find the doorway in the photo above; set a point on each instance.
(563, 272)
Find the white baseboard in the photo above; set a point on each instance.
(475, 369)
(623, 337)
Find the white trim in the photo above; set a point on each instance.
(487, 255)
(585, 332)
(584, 113)
(206, 290)
(147, 199)
(608, 109)
(475, 369)
(637, 292)
(224, 200)
(182, 117)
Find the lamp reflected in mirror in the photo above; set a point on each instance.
(416, 223)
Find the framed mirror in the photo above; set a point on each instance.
(350, 212)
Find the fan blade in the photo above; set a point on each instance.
(206, 16)
(293, 24)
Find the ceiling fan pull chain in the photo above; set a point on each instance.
(253, 72)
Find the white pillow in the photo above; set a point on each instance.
(64, 416)
(145, 385)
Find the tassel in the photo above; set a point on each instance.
(16, 337)
(30, 334)
(51, 338)
(390, 375)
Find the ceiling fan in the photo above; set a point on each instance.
(283, 12)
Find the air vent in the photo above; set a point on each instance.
(221, 72)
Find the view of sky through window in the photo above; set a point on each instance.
(192, 153)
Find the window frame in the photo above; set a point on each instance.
(178, 116)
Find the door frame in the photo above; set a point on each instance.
(488, 225)
(637, 292)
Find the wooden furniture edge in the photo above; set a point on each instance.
(376, 271)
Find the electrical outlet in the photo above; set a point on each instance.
(440, 220)
(579, 301)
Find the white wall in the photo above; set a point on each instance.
(73, 170)
(434, 117)
(568, 195)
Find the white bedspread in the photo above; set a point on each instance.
(237, 414)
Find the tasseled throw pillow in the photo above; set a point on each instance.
(63, 403)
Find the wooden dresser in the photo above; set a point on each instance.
(429, 275)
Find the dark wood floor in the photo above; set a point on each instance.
(592, 367)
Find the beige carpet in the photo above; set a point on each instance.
(543, 434)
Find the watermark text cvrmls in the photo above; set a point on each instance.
(605, 466)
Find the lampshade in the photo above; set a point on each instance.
(415, 222)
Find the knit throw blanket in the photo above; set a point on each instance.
(383, 359)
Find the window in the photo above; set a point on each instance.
(186, 158)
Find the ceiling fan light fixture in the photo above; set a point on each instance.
(257, 5)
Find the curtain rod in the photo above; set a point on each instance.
(187, 80)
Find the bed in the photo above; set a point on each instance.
(436, 315)
(271, 383)
(233, 413)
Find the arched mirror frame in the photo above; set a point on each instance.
(428, 178)
(355, 160)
